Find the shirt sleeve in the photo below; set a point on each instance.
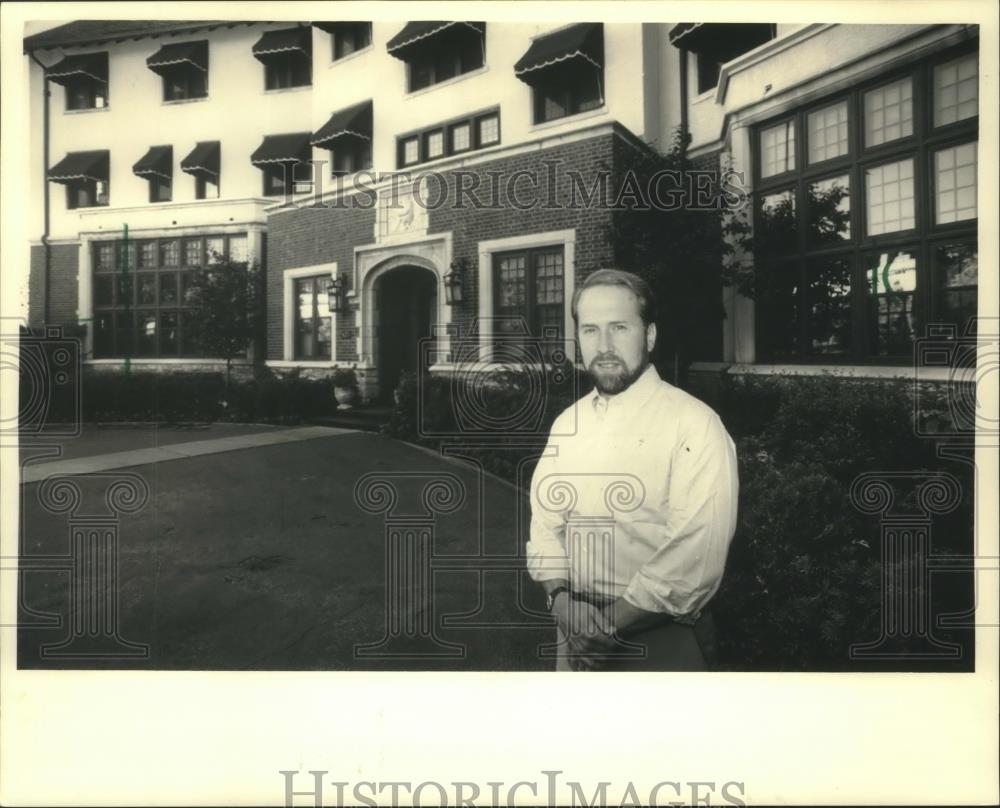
(545, 550)
(684, 573)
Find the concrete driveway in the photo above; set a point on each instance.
(260, 557)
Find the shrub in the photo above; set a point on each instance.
(467, 403)
(804, 576)
(203, 397)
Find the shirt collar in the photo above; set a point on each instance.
(633, 396)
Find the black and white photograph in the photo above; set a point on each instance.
(402, 411)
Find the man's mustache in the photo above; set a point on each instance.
(606, 358)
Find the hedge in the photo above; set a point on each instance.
(201, 397)
(804, 577)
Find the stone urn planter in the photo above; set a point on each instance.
(345, 388)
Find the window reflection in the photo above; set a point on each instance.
(146, 341)
(892, 283)
(957, 273)
(313, 323)
(779, 299)
(830, 306)
(829, 212)
(776, 233)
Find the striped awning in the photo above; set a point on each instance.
(203, 159)
(582, 44)
(419, 33)
(355, 121)
(287, 40)
(85, 165)
(191, 54)
(157, 162)
(92, 66)
(292, 148)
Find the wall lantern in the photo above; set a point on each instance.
(453, 282)
(335, 295)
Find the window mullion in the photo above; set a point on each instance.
(530, 281)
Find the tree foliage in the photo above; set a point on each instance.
(227, 314)
(682, 244)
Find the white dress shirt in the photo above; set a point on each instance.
(636, 497)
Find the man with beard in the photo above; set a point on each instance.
(633, 504)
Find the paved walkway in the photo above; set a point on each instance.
(268, 560)
(33, 472)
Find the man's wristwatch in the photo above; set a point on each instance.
(550, 599)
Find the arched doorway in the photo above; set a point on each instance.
(406, 311)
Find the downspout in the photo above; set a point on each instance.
(683, 73)
(45, 186)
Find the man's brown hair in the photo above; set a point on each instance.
(628, 280)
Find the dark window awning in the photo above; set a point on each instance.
(86, 165)
(682, 30)
(292, 148)
(203, 159)
(354, 121)
(92, 66)
(187, 54)
(287, 40)
(329, 27)
(581, 44)
(157, 162)
(418, 34)
(721, 40)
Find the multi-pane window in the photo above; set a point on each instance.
(312, 318)
(434, 144)
(529, 295)
(827, 132)
(777, 149)
(955, 180)
(410, 150)
(452, 137)
(889, 112)
(890, 196)
(829, 210)
(956, 270)
(461, 136)
(956, 90)
(142, 293)
(873, 236)
(489, 129)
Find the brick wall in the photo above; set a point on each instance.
(548, 207)
(63, 269)
(302, 238)
(298, 238)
